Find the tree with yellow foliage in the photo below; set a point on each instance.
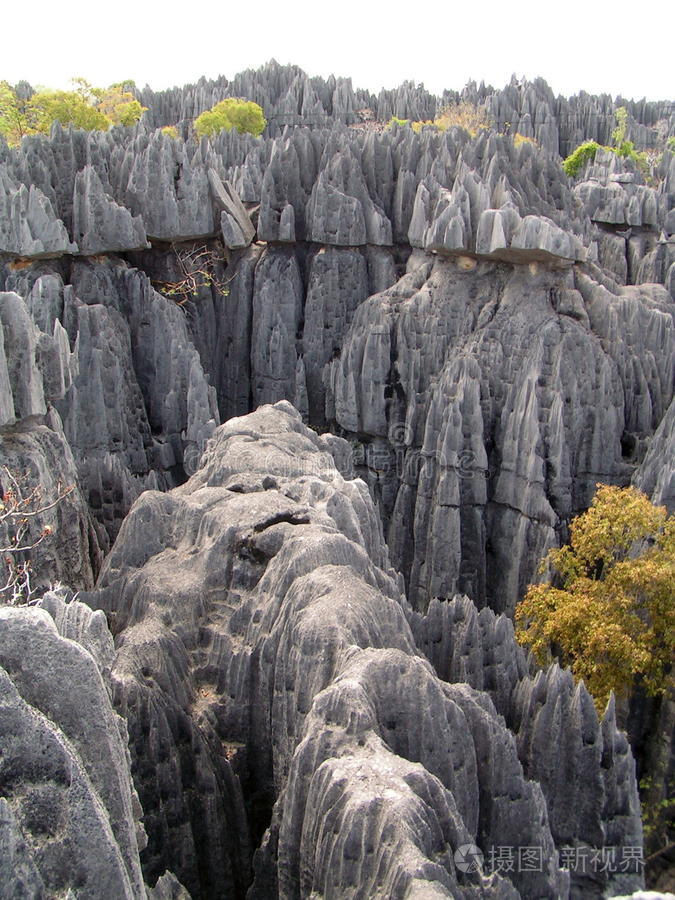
(469, 116)
(119, 105)
(609, 612)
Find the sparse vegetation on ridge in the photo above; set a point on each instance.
(464, 115)
(584, 153)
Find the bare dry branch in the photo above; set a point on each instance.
(197, 267)
(18, 507)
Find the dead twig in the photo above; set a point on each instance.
(197, 267)
(18, 509)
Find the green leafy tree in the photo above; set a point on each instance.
(68, 108)
(244, 115)
(610, 612)
(619, 133)
(16, 120)
(576, 161)
(85, 107)
(622, 146)
(86, 90)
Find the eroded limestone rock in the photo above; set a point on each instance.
(259, 620)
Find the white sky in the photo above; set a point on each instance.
(620, 48)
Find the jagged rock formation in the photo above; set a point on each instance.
(333, 186)
(559, 739)
(633, 235)
(290, 98)
(170, 193)
(123, 374)
(36, 369)
(293, 315)
(472, 219)
(260, 625)
(656, 475)
(36, 456)
(100, 225)
(235, 224)
(490, 338)
(70, 816)
(28, 225)
(287, 94)
(477, 388)
(35, 366)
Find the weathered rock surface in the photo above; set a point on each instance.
(116, 360)
(36, 461)
(35, 368)
(235, 224)
(290, 98)
(583, 765)
(266, 660)
(631, 220)
(292, 320)
(337, 184)
(340, 210)
(170, 193)
(615, 197)
(472, 219)
(233, 336)
(284, 191)
(70, 819)
(70, 812)
(338, 283)
(259, 624)
(28, 223)
(100, 225)
(505, 342)
(140, 399)
(333, 186)
(476, 391)
(656, 474)
(276, 315)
